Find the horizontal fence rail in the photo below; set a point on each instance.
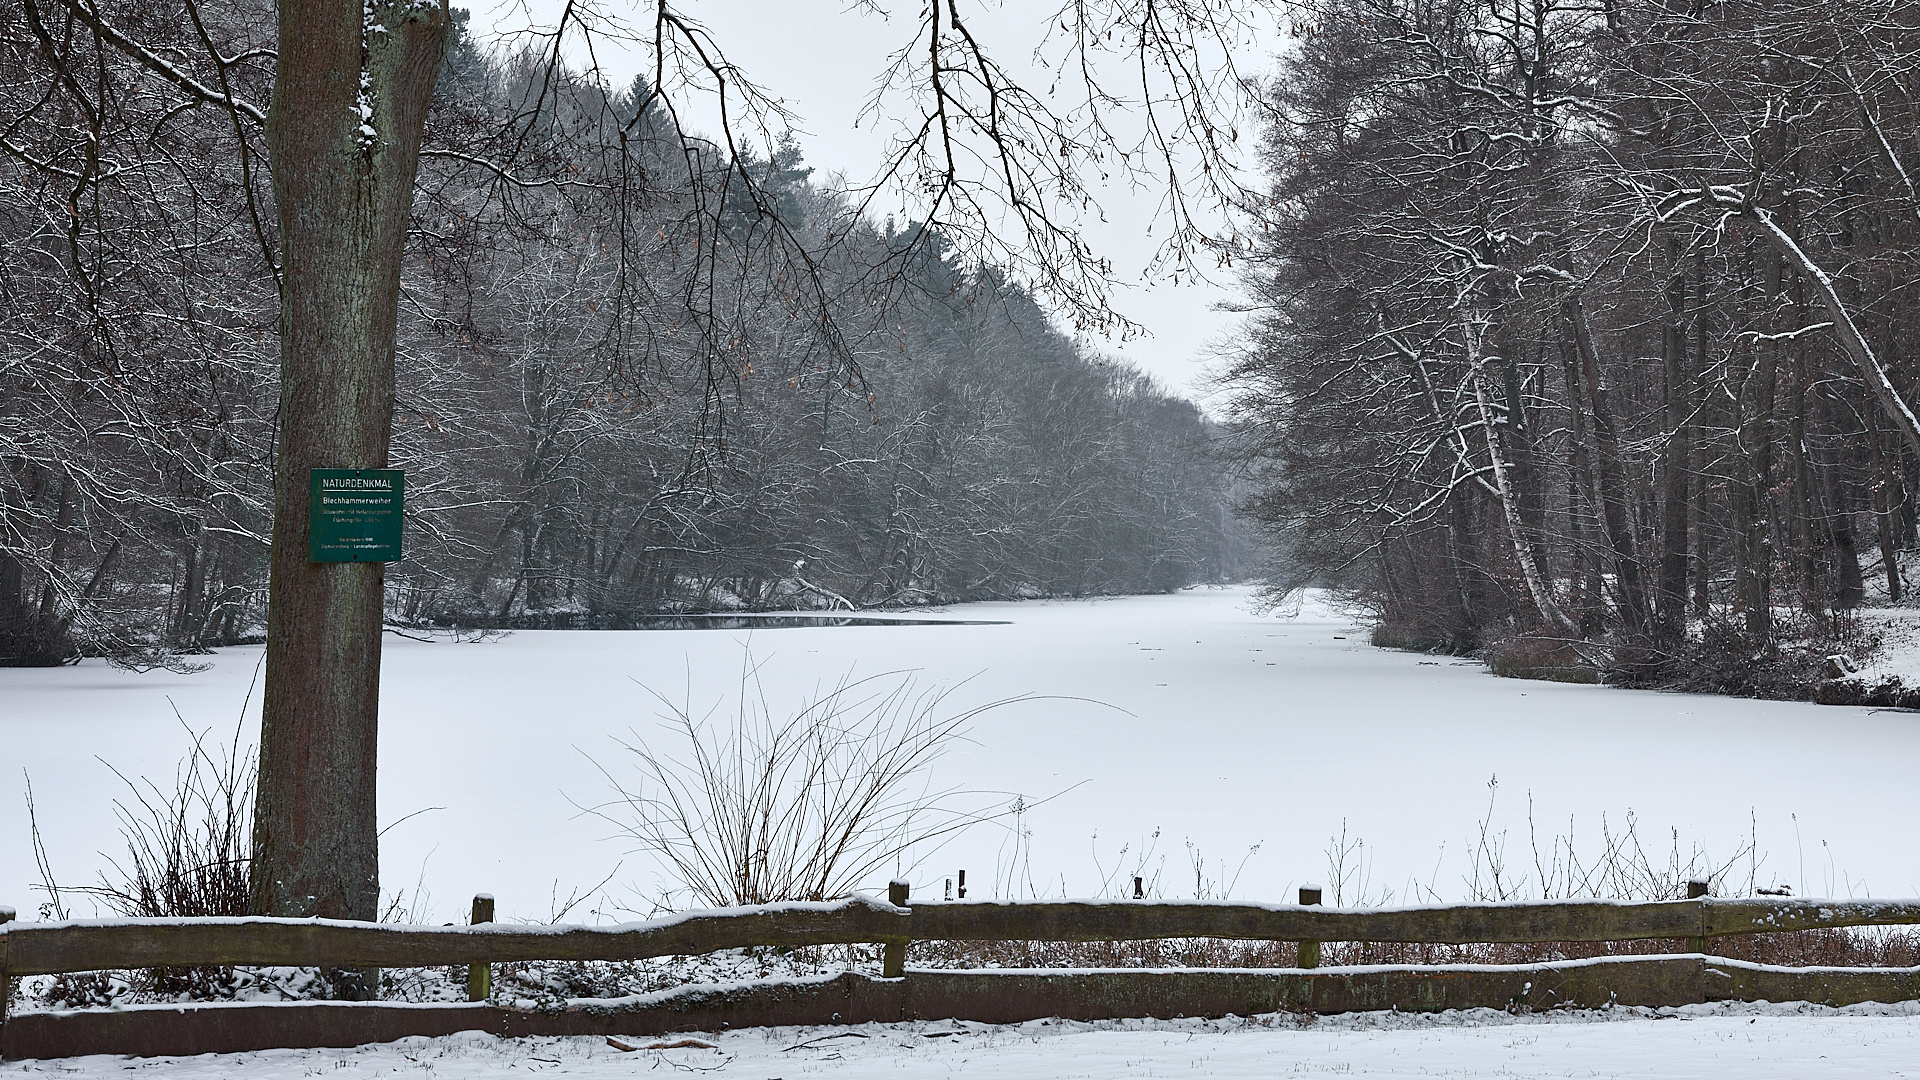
(93, 945)
(995, 996)
(88, 945)
(1462, 924)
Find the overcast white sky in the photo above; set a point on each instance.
(822, 57)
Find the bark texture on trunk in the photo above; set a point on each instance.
(1609, 484)
(349, 106)
(1670, 603)
(1539, 583)
(1753, 563)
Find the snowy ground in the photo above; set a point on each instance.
(1752, 1042)
(1185, 714)
(1898, 658)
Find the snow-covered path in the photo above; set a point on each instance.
(1185, 714)
(1748, 1042)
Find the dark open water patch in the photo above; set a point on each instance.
(719, 621)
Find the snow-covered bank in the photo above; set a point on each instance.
(1185, 714)
(1891, 674)
(1753, 1042)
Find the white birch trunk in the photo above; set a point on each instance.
(1537, 587)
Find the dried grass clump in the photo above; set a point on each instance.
(1545, 659)
(188, 851)
(1411, 637)
(762, 808)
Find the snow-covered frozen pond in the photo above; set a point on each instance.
(1186, 714)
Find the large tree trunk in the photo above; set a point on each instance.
(1753, 562)
(1809, 573)
(349, 105)
(1537, 577)
(1609, 484)
(1582, 506)
(13, 573)
(1701, 364)
(51, 624)
(1671, 597)
(1883, 485)
(1462, 557)
(1846, 582)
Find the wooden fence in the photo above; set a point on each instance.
(998, 996)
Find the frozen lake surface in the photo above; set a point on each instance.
(1186, 715)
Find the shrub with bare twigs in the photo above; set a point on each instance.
(187, 855)
(761, 808)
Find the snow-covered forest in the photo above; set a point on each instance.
(1592, 321)
(1572, 339)
(636, 372)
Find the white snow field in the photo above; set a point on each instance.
(1750, 1042)
(1187, 714)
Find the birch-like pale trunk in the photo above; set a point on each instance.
(1851, 339)
(1523, 553)
(1872, 371)
(349, 107)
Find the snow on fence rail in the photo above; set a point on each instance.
(997, 996)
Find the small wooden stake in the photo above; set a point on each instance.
(480, 976)
(1309, 950)
(1696, 889)
(1139, 888)
(963, 884)
(893, 959)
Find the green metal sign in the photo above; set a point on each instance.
(353, 515)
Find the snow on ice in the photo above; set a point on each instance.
(1187, 715)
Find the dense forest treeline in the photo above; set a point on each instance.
(1592, 323)
(637, 371)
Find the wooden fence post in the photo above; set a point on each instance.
(6, 981)
(480, 976)
(1697, 889)
(1309, 950)
(893, 959)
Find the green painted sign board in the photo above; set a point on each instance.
(353, 515)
